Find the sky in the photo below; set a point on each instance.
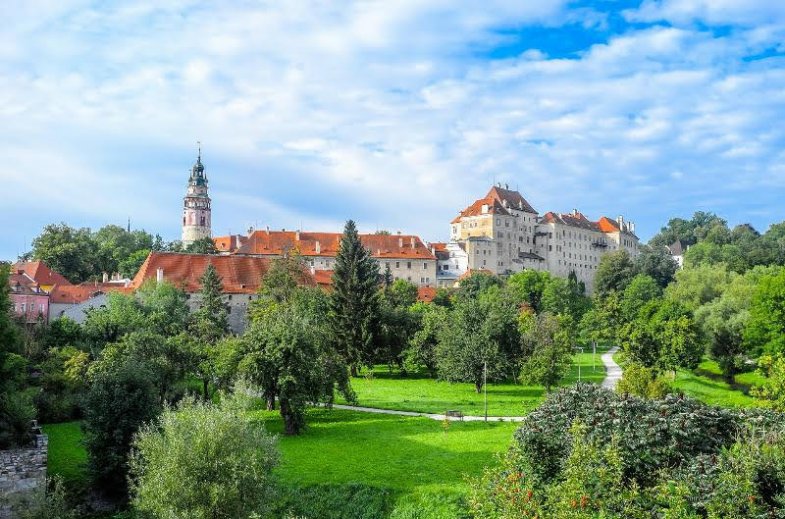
(395, 113)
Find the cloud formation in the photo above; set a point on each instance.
(396, 114)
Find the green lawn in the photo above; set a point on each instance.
(67, 456)
(706, 384)
(419, 392)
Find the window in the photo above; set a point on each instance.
(397, 264)
(446, 267)
(42, 309)
(24, 307)
(409, 265)
(425, 266)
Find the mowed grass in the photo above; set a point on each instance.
(402, 454)
(706, 384)
(67, 456)
(419, 392)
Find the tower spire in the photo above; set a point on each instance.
(199, 146)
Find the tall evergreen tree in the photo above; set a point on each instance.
(354, 303)
(210, 323)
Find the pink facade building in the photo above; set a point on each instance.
(30, 302)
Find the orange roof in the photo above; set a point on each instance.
(426, 294)
(439, 246)
(229, 243)
(240, 274)
(605, 224)
(469, 272)
(577, 219)
(323, 278)
(40, 272)
(276, 243)
(73, 294)
(494, 206)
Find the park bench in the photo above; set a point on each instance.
(455, 414)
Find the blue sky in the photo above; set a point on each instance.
(395, 113)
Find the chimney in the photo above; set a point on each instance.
(318, 247)
(400, 243)
(297, 235)
(268, 230)
(620, 221)
(313, 270)
(575, 212)
(507, 186)
(159, 275)
(104, 277)
(412, 241)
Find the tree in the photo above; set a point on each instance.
(565, 297)
(165, 307)
(765, 332)
(699, 285)
(548, 345)
(468, 344)
(477, 283)
(656, 263)
(283, 277)
(289, 358)
(527, 287)
(120, 315)
(640, 291)
(209, 324)
(202, 246)
(354, 301)
(723, 325)
(203, 461)
(68, 251)
(614, 272)
(422, 344)
(121, 398)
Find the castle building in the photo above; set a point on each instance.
(196, 205)
(503, 234)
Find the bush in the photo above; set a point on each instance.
(642, 381)
(201, 461)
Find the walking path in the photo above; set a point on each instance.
(612, 377)
(612, 370)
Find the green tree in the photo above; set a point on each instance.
(202, 246)
(283, 277)
(471, 341)
(16, 410)
(640, 291)
(165, 307)
(723, 325)
(209, 324)
(120, 315)
(201, 461)
(565, 297)
(354, 301)
(289, 358)
(477, 283)
(656, 263)
(422, 344)
(68, 251)
(699, 285)
(615, 271)
(527, 287)
(765, 332)
(548, 344)
(121, 398)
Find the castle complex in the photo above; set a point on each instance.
(500, 233)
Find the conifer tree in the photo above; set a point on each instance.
(210, 323)
(354, 304)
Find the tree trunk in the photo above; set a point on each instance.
(270, 399)
(353, 370)
(205, 383)
(290, 425)
(477, 387)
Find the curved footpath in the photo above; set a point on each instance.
(612, 377)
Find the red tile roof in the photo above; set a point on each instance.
(22, 283)
(469, 272)
(577, 219)
(229, 243)
(323, 278)
(494, 206)
(74, 294)
(426, 294)
(40, 272)
(276, 243)
(240, 274)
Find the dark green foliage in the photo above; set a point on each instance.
(614, 273)
(528, 287)
(565, 297)
(548, 345)
(165, 307)
(334, 502)
(657, 263)
(421, 351)
(210, 321)
(397, 323)
(202, 246)
(650, 435)
(121, 314)
(354, 301)
(81, 255)
(478, 333)
(288, 356)
(121, 398)
(477, 283)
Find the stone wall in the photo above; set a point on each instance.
(22, 471)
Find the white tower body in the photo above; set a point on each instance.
(196, 206)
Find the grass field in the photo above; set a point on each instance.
(707, 385)
(387, 390)
(67, 455)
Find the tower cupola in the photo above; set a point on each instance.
(196, 205)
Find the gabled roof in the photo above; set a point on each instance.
(577, 219)
(23, 284)
(240, 274)
(513, 199)
(676, 248)
(490, 204)
(74, 294)
(276, 243)
(426, 294)
(229, 243)
(40, 273)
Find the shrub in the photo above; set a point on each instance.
(201, 461)
(642, 381)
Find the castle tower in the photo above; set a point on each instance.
(196, 205)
